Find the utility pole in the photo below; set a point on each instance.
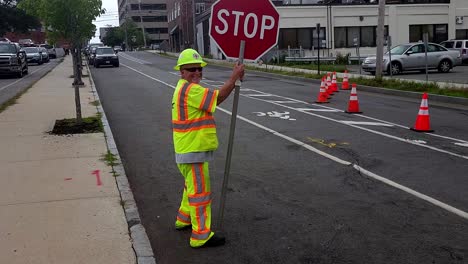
(142, 26)
(194, 27)
(125, 25)
(380, 40)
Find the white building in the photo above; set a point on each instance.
(343, 21)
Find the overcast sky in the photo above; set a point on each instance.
(111, 17)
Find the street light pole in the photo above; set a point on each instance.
(380, 40)
(194, 26)
(142, 26)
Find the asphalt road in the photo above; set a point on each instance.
(458, 74)
(10, 86)
(308, 183)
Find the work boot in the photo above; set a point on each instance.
(214, 241)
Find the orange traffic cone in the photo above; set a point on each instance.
(353, 105)
(322, 97)
(422, 120)
(333, 83)
(325, 85)
(329, 85)
(345, 83)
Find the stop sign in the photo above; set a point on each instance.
(254, 21)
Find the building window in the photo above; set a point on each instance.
(155, 19)
(437, 33)
(461, 34)
(299, 37)
(153, 6)
(136, 19)
(366, 36)
(200, 8)
(156, 30)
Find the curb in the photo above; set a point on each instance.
(140, 242)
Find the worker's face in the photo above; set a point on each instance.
(191, 72)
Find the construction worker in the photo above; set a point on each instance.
(195, 139)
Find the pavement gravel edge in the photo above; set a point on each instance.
(140, 242)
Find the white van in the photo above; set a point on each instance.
(458, 44)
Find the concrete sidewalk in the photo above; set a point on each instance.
(53, 208)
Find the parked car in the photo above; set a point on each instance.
(44, 53)
(2, 40)
(106, 56)
(50, 50)
(26, 43)
(117, 48)
(458, 44)
(12, 60)
(33, 55)
(411, 56)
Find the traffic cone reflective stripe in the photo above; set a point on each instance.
(345, 83)
(329, 85)
(353, 105)
(422, 120)
(322, 97)
(334, 84)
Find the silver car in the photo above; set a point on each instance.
(411, 56)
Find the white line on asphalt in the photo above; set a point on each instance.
(462, 144)
(364, 116)
(318, 110)
(128, 57)
(284, 102)
(338, 160)
(367, 129)
(29, 74)
(365, 123)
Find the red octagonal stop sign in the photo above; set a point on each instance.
(255, 21)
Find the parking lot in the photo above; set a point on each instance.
(458, 74)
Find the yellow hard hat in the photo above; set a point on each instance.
(189, 56)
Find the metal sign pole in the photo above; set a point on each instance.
(389, 48)
(231, 142)
(317, 29)
(425, 39)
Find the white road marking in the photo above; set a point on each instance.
(417, 141)
(368, 117)
(24, 77)
(366, 123)
(284, 102)
(338, 160)
(128, 57)
(462, 144)
(318, 110)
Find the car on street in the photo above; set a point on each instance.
(26, 43)
(458, 44)
(4, 40)
(45, 54)
(411, 56)
(12, 60)
(50, 50)
(33, 55)
(105, 56)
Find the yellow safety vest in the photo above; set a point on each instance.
(193, 124)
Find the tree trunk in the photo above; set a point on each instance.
(76, 83)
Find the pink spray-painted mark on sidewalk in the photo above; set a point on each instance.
(98, 178)
(68, 179)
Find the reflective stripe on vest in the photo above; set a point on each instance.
(193, 124)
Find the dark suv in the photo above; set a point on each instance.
(105, 56)
(12, 60)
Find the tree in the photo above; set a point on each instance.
(116, 36)
(14, 19)
(71, 21)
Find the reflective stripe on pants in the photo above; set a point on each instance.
(196, 202)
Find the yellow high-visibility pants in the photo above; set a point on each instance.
(195, 207)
